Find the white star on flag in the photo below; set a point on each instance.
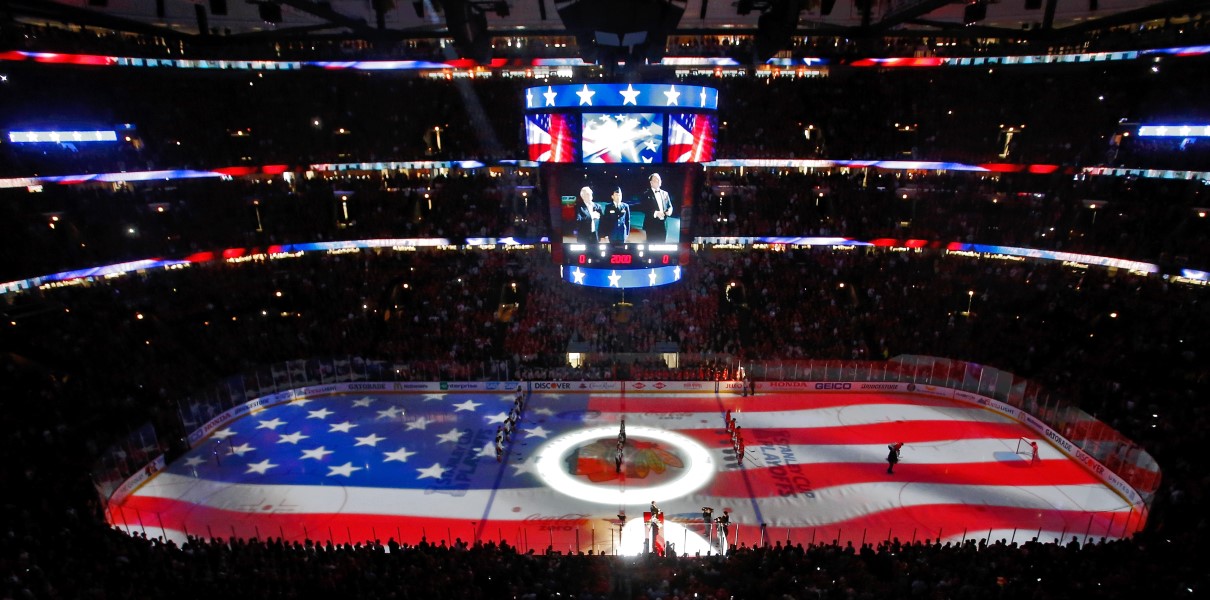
(546, 412)
(522, 467)
(630, 96)
(578, 276)
(345, 469)
(322, 413)
(270, 425)
(435, 471)
(293, 438)
(223, 434)
(429, 397)
(489, 449)
(420, 424)
(537, 432)
(390, 413)
(672, 96)
(316, 453)
(614, 278)
(497, 418)
(194, 461)
(341, 427)
(241, 449)
(450, 436)
(301, 402)
(585, 95)
(259, 468)
(364, 402)
(468, 405)
(369, 440)
(400, 455)
(550, 95)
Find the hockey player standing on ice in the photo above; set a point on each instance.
(893, 456)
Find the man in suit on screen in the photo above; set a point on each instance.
(658, 206)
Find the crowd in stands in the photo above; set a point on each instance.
(70, 227)
(185, 118)
(1151, 220)
(1175, 32)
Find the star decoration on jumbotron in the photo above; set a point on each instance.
(585, 95)
(529, 98)
(676, 273)
(672, 96)
(345, 469)
(400, 455)
(630, 95)
(260, 468)
(435, 472)
(614, 279)
(703, 97)
(292, 438)
(651, 277)
(550, 95)
(578, 276)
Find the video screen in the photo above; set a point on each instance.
(614, 138)
(552, 137)
(691, 137)
(622, 204)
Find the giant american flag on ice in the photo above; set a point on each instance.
(352, 467)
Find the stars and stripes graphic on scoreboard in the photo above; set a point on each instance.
(691, 137)
(358, 467)
(552, 137)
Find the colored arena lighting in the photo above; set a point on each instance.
(61, 137)
(1177, 131)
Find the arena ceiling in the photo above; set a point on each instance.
(403, 19)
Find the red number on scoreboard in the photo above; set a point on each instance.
(666, 259)
(620, 259)
(582, 259)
